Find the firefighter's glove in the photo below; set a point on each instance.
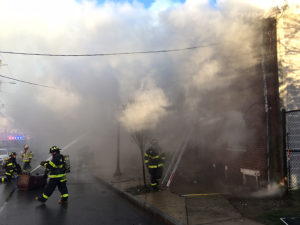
(43, 163)
(18, 169)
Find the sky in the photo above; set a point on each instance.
(165, 93)
(146, 3)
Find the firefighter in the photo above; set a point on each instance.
(57, 175)
(27, 157)
(154, 160)
(11, 166)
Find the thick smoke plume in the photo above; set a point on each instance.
(167, 93)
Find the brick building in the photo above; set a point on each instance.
(275, 84)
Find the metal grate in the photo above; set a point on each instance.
(293, 169)
(293, 148)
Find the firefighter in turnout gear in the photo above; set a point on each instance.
(57, 175)
(27, 157)
(154, 160)
(11, 167)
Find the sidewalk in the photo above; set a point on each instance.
(176, 210)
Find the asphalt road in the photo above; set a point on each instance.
(90, 203)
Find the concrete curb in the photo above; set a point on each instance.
(144, 205)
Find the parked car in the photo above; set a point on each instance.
(3, 155)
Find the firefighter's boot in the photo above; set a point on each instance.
(62, 201)
(40, 199)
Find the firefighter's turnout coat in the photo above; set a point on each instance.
(57, 175)
(27, 156)
(11, 167)
(154, 162)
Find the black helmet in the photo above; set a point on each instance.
(54, 149)
(12, 154)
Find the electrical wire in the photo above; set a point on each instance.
(109, 54)
(118, 53)
(93, 55)
(27, 82)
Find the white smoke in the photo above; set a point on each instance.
(272, 190)
(146, 109)
(165, 92)
(59, 101)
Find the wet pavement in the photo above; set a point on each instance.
(90, 202)
(175, 209)
(104, 199)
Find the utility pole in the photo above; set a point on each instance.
(118, 172)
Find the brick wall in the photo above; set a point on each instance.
(264, 150)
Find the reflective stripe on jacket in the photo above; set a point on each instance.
(153, 159)
(27, 156)
(11, 167)
(56, 167)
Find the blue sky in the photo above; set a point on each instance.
(148, 3)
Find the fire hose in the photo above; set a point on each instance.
(63, 149)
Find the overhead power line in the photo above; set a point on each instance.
(110, 54)
(27, 82)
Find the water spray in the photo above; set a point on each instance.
(178, 159)
(63, 149)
